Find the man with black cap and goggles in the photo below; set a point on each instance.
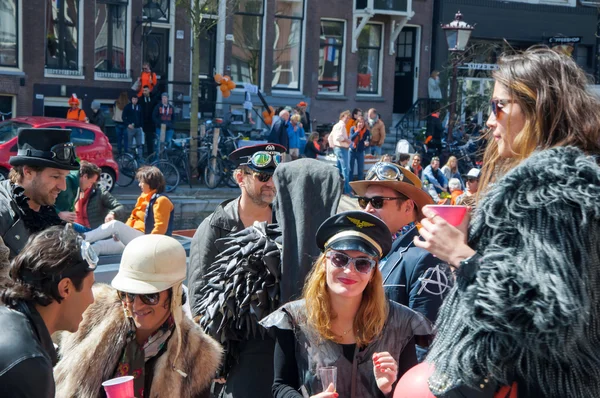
(411, 275)
(48, 288)
(254, 174)
(44, 159)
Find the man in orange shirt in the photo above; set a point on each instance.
(147, 78)
(153, 214)
(75, 113)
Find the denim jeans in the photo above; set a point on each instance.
(138, 134)
(121, 130)
(168, 137)
(376, 150)
(357, 158)
(344, 164)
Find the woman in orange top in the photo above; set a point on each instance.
(153, 214)
(147, 78)
(75, 113)
(356, 113)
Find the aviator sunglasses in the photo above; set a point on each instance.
(261, 176)
(340, 260)
(148, 299)
(498, 104)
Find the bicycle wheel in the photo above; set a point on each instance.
(170, 173)
(213, 172)
(127, 168)
(228, 168)
(181, 162)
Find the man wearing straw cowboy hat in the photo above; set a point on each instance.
(411, 276)
(44, 159)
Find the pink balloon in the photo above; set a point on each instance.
(414, 383)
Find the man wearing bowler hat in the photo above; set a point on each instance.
(254, 174)
(411, 275)
(44, 159)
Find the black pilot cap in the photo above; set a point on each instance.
(355, 230)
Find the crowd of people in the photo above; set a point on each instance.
(503, 304)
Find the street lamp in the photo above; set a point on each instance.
(458, 33)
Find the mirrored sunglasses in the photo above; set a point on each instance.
(261, 176)
(148, 299)
(362, 265)
(498, 104)
(376, 201)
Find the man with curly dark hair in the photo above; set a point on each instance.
(48, 288)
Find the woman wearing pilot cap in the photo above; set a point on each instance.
(344, 319)
(137, 328)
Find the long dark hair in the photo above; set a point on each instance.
(552, 92)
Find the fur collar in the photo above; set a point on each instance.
(90, 356)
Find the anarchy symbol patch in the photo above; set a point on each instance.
(435, 280)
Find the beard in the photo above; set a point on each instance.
(39, 195)
(262, 198)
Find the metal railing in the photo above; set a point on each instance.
(415, 118)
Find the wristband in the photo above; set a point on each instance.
(468, 267)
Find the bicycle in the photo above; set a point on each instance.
(219, 168)
(129, 165)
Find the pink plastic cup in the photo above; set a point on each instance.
(452, 214)
(121, 387)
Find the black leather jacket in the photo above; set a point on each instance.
(27, 354)
(12, 228)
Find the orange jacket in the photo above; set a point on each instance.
(76, 114)
(162, 212)
(349, 124)
(147, 79)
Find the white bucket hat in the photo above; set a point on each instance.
(151, 264)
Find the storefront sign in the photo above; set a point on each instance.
(565, 40)
(475, 66)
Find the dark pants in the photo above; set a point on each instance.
(357, 158)
(121, 130)
(150, 137)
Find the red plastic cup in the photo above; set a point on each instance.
(120, 387)
(414, 383)
(452, 214)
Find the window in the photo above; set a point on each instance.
(369, 54)
(62, 35)
(331, 56)
(82, 137)
(111, 36)
(246, 53)
(9, 33)
(287, 48)
(584, 57)
(156, 10)
(10, 129)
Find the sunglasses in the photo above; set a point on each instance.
(340, 260)
(376, 201)
(383, 171)
(498, 104)
(472, 179)
(264, 159)
(261, 176)
(148, 299)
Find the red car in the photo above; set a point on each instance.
(91, 144)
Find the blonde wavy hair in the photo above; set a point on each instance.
(552, 92)
(369, 319)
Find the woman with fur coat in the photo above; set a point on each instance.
(524, 316)
(137, 328)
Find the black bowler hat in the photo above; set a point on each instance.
(355, 230)
(261, 157)
(45, 148)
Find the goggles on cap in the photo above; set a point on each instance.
(362, 265)
(385, 172)
(263, 159)
(62, 152)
